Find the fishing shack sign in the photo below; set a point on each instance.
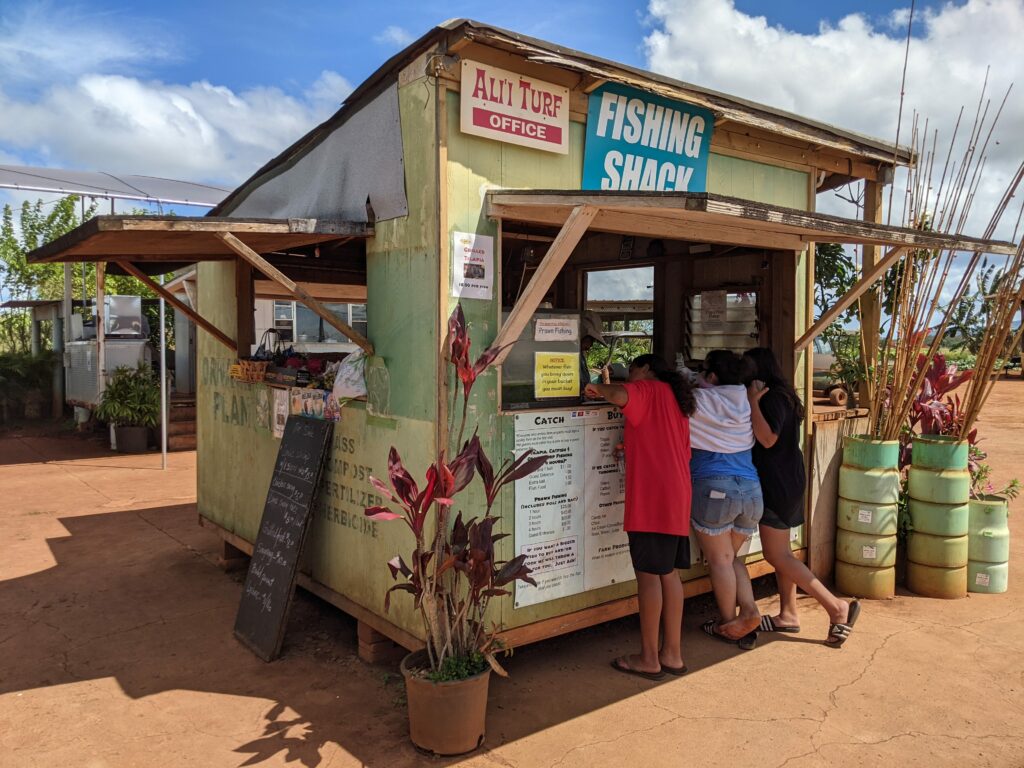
(639, 141)
(506, 106)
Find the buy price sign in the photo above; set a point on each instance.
(506, 106)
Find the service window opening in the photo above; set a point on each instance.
(623, 301)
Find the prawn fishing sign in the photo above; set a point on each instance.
(639, 141)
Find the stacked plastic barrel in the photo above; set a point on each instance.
(938, 490)
(869, 491)
(988, 545)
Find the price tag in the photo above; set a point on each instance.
(865, 516)
(869, 553)
(983, 580)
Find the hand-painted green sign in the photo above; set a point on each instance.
(639, 141)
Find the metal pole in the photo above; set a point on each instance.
(163, 384)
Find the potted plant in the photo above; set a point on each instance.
(453, 571)
(131, 404)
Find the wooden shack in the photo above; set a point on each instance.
(506, 171)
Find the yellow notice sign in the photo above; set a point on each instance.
(556, 374)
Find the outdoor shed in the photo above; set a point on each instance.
(523, 179)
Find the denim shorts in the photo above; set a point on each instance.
(723, 504)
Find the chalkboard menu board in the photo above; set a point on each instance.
(270, 582)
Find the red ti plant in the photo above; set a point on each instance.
(453, 570)
(930, 414)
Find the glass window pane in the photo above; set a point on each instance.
(307, 324)
(283, 310)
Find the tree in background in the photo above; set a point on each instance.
(20, 280)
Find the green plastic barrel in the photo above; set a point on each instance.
(872, 583)
(988, 548)
(869, 490)
(940, 551)
(938, 452)
(945, 583)
(938, 486)
(866, 550)
(939, 519)
(865, 517)
(987, 577)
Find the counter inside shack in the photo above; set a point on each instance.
(677, 299)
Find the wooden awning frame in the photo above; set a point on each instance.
(132, 240)
(702, 218)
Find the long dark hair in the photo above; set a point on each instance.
(728, 367)
(768, 370)
(680, 387)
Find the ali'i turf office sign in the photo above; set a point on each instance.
(639, 141)
(513, 108)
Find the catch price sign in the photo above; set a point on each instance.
(639, 141)
(506, 106)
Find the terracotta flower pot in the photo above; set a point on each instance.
(445, 718)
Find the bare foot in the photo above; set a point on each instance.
(842, 615)
(674, 662)
(740, 626)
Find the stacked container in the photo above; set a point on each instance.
(869, 491)
(988, 545)
(938, 487)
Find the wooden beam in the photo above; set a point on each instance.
(352, 294)
(245, 309)
(870, 308)
(558, 254)
(858, 289)
(294, 289)
(178, 304)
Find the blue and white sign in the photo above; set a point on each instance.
(639, 141)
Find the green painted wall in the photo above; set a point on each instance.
(236, 450)
(475, 165)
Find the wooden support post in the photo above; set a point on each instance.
(178, 304)
(870, 309)
(245, 308)
(375, 648)
(858, 289)
(231, 558)
(294, 289)
(568, 238)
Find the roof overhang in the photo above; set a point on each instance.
(186, 240)
(709, 218)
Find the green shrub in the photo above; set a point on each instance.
(131, 399)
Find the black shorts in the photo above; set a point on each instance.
(785, 520)
(658, 553)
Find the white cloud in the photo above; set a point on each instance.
(849, 74)
(40, 42)
(197, 132)
(395, 36)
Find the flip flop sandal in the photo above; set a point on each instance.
(840, 633)
(621, 665)
(675, 671)
(768, 625)
(746, 643)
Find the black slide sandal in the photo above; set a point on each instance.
(768, 625)
(840, 633)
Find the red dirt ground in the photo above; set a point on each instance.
(116, 650)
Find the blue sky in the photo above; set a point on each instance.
(247, 44)
(209, 91)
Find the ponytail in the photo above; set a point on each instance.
(680, 387)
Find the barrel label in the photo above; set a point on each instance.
(864, 516)
(983, 580)
(869, 553)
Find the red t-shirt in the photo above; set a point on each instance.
(657, 460)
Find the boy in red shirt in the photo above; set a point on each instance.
(657, 403)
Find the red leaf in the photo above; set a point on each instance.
(380, 513)
(379, 485)
(400, 478)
